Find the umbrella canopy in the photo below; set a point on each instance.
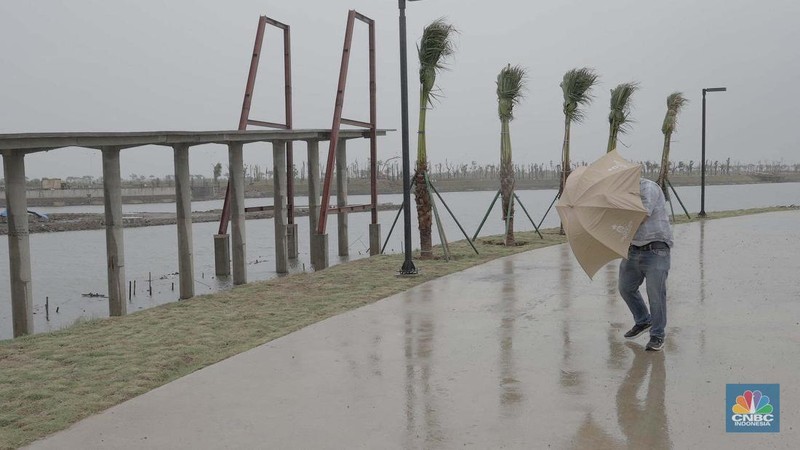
(601, 210)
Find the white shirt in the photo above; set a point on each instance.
(656, 226)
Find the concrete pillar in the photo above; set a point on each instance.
(183, 200)
(279, 202)
(291, 228)
(374, 239)
(314, 190)
(115, 249)
(319, 243)
(291, 240)
(222, 255)
(19, 250)
(341, 196)
(319, 251)
(236, 180)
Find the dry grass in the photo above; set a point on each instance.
(50, 381)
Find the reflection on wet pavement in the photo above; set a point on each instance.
(510, 390)
(644, 421)
(524, 352)
(421, 411)
(701, 259)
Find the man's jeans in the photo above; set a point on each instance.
(654, 266)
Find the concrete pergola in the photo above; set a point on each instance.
(14, 147)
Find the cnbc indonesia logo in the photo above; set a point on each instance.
(752, 410)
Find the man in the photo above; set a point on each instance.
(648, 258)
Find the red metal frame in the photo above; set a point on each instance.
(244, 118)
(325, 207)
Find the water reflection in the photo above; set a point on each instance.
(612, 276)
(644, 421)
(701, 261)
(640, 406)
(616, 350)
(510, 392)
(375, 354)
(591, 435)
(569, 379)
(422, 421)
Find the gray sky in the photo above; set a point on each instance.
(124, 65)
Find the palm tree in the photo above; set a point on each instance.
(217, 173)
(576, 85)
(434, 48)
(510, 84)
(675, 103)
(619, 118)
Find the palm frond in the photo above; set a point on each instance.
(675, 102)
(620, 115)
(435, 46)
(510, 86)
(577, 86)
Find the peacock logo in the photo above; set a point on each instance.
(752, 402)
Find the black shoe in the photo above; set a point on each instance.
(655, 344)
(634, 332)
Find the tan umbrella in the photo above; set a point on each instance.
(601, 210)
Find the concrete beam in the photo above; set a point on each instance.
(341, 196)
(279, 205)
(19, 250)
(238, 238)
(37, 142)
(115, 248)
(183, 200)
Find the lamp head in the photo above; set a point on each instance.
(716, 89)
(403, 2)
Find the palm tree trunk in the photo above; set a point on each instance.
(421, 193)
(507, 181)
(565, 164)
(612, 138)
(663, 174)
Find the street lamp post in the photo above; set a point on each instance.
(408, 265)
(703, 153)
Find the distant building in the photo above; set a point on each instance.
(51, 183)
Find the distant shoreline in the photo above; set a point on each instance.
(60, 222)
(361, 186)
(79, 221)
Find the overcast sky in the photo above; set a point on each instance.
(124, 65)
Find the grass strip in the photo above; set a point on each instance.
(50, 381)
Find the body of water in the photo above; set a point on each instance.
(68, 264)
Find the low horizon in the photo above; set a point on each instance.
(679, 165)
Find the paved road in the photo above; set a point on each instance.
(523, 352)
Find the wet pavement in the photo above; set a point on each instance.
(523, 352)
